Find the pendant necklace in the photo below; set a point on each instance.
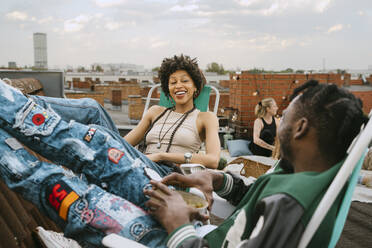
(158, 145)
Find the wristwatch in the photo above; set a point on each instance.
(188, 157)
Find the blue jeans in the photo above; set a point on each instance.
(84, 110)
(85, 211)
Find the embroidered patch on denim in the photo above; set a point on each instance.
(61, 196)
(103, 221)
(81, 205)
(89, 135)
(13, 143)
(115, 155)
(38, 119)
(119, 209)
(138, 230)
(87, 216)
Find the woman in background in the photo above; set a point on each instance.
(265, 127)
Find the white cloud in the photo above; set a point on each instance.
(286, 43)
(263, 43)
(98, 15)
(158, 44)
(321, 5)
(113, 25)
(277, 7)
(304, 43)
(108, 3)
(76, 24)
(17, 15)
(23, 16)
(56, 30)
(179, 8)
(48, 19)
(247, 2)
(335, 28)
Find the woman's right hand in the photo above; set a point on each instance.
(204, 181)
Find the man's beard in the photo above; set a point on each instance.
(286, 165)
(286, 151)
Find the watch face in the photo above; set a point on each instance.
(188, 156)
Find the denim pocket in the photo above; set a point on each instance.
(35, 120)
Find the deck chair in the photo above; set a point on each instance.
(347, 175)
(201, 102)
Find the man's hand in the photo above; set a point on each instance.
(206, 181)
(169, 208)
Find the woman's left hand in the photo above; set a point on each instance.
(155, 157)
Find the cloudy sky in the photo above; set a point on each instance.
(273, 34)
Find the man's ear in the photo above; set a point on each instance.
(301, 128)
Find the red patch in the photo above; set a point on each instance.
(38, 119)
(115, 155)
(57, 194)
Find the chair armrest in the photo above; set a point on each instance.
(116, 241)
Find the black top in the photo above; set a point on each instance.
(271, 127)
(267, 134)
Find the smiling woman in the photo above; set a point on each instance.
(173, 134)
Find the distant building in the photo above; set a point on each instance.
(12, 65)
(40, 51)
(121, 68)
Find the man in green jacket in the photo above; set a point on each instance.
(315, 131)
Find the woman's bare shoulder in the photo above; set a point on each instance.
(207, 116)
(154, 111)
(258, 121)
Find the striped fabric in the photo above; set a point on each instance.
(181, 234)
(227, 186)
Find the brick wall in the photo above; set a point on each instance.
(127, 89)
(98, 96)
(135, 107)
(366, 97)
(80, 84)
(356, 82)
(145, 90)
(225, 83)
(224, 102)
(247, 89)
